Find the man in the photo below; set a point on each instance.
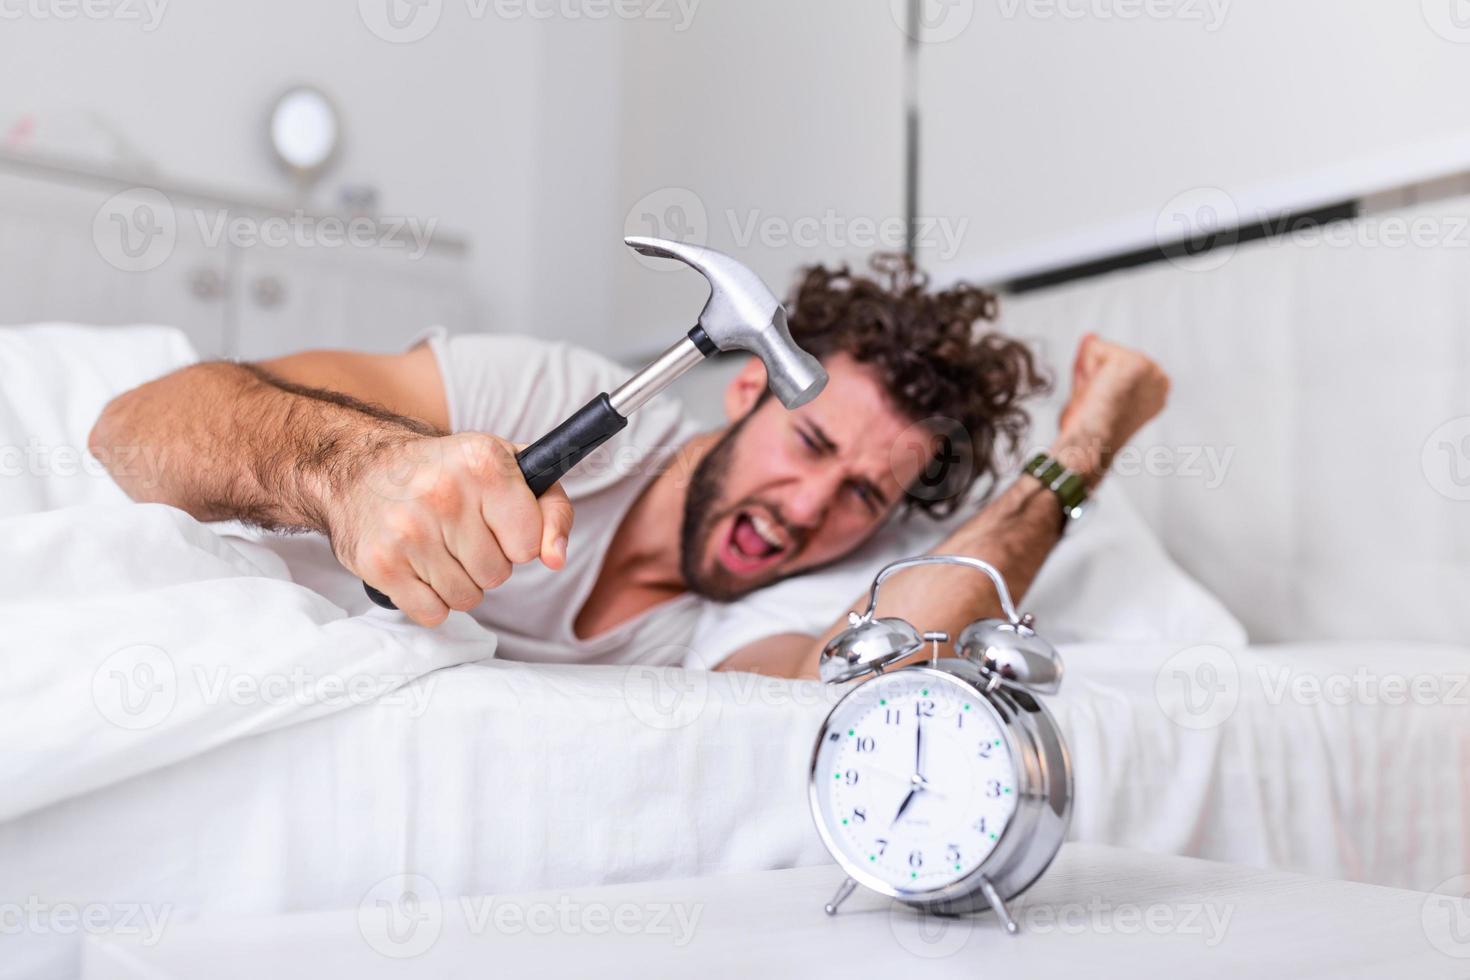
(406, 464)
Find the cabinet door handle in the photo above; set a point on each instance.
(268, 292)
(207, 284)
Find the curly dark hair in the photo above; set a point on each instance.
(933, 360)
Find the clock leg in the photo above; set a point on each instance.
(993, 897)
(843, 891)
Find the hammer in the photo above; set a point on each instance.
(741, 314)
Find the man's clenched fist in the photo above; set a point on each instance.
(1115, 392)
(437, 522)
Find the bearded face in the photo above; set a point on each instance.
(784, 492)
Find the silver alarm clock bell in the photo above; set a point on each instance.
(944, 784)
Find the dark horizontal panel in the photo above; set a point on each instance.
(1224, 237)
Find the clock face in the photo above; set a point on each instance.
(913, 780)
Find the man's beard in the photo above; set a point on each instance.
(700, 517)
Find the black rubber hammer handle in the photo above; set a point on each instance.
(553, 455)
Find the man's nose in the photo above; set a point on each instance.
(814, 493)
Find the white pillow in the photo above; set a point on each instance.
(54, 380)
(1108, 579)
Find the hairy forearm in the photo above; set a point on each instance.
(231, 442)
(1014, 532)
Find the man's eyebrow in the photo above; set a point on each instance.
(824, 442)
(873, 489)
(827, 447)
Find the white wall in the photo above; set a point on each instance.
(781, 122)
(1040, 127)
(544, 141)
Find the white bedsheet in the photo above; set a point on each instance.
(535, 777)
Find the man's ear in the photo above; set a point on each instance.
(745, 389)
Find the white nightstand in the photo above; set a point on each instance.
(1099, 912)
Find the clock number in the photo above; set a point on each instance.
(986, 748)
(859, 815)
(952, 854)
(851, 777)
(892, 716)
(882, 845)
(865, 744)
(916, 860)
(992, 789)
(924, 709)
(981, 826)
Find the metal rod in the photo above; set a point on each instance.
(1006, 605)
(670, 365)
(1004, 914)
(844, 890)
(911, 129)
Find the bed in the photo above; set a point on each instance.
(1343, 759)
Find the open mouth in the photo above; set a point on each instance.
(755, 543)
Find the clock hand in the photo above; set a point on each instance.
(919, 749)
(903, 806)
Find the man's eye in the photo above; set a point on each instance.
(807, 440)
(863, 494)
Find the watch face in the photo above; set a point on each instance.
(913, 781)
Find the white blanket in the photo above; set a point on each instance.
(135, 637)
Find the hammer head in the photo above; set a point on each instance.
(741, 314)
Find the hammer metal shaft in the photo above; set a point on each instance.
(634, 393)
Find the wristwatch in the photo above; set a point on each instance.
(1066, 484)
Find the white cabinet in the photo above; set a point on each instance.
(359, 297)
(74, 250)
(63, 258)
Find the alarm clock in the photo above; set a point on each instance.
(944, 784)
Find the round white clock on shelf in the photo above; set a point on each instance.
(305, 131)
(944, 784)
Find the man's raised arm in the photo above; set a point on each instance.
(1115, 391)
